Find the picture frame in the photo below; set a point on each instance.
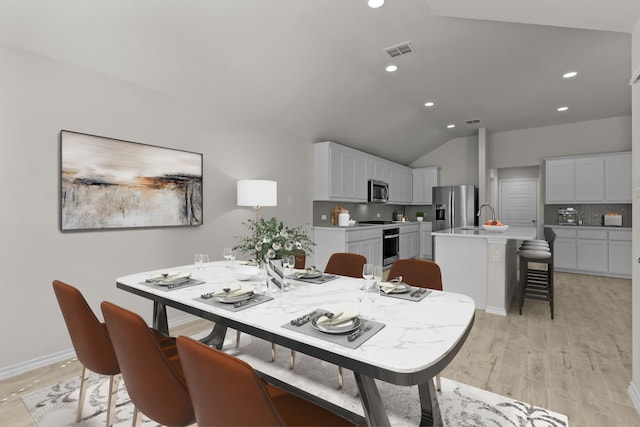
(108, 183)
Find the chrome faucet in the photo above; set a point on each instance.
(493, 213)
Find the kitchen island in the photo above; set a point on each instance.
(481, 264)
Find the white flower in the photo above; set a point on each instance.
(270, 254)
(288, 246)
(284, 234)
(276, 246)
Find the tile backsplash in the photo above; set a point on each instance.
(367, 211)
(591, 214)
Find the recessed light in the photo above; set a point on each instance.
(374, 4)
(429, 104)
(570, 74)
(451, 126)
(391, 68)
(562, 109)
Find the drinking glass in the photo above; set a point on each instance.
(229, 255)
(288, 262)
(372, 292)
(377, 273)
(200, 260)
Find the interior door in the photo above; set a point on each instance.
(519, 201)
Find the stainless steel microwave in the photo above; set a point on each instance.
(378, 191)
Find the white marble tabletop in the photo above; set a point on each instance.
(416, 335)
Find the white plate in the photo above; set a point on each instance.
(310, 275)
(340, 328)
(495, 227)
(175, 281)
(232, 299)
(401, 289)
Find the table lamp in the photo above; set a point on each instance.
(257, 193)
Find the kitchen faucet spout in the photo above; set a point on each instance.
(493, 213)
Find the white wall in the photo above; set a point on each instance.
(457, 159)
(38, 98)
(634, 388)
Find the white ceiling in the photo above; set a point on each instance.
(315, 68)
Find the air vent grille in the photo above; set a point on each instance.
(400, 49)
(472, 121)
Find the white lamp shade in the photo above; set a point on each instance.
(255, 192)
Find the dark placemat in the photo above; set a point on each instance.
(369, 328)
(186, 284)
(240, 305)
(318, 280)
(415, 294)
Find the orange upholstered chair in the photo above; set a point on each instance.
(150, 367)
(226, 391)
(345, 264)
(91, 343)
(419, 273)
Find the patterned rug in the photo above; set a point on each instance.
(461, 405)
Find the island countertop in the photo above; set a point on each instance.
(512, 233)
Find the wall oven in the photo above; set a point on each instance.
(390, 246)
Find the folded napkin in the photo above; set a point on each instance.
(169, 277)
(387, 287)
(233, 291)
(338, 317)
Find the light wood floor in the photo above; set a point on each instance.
(578, 364)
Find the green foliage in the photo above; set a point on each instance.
(419, 213)
(270, 239)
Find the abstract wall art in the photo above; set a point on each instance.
(107, 183)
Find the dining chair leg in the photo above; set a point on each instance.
(273, 352)
(84, 378)
(113, 392)
(340, 378)
(137, 417)
(292, 360)
(438, 384)
(237, 339)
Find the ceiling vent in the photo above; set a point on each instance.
(472, 121)
(399, 49)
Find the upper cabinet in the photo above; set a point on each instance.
(339, 173)
(603, 178)
(424, 179)
(342, 174)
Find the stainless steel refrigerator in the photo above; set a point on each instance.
(455, 206)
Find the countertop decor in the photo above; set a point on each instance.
(271, 239)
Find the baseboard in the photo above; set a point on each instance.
(635, 396)
(49, 359)
(496, 310)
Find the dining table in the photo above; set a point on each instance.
(401, 338)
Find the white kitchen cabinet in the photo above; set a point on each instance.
(601, 178)
(426, 250)
(593, 251)
(400, 181)
(620, 255)
(339, 173)
(366, 241)
(376, 169)
(565, 250)
(409, 241)
(424, 179)
(618, 178)
(589, 182)
(560, 180)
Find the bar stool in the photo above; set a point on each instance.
(535, 282)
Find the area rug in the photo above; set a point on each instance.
(461, 405)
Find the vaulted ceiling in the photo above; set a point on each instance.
(316, 68)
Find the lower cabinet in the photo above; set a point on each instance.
(409, 241)
(371, 249)
(593, 251)
(426, 248)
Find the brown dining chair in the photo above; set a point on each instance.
(226, 391)
(91, 343)
(345, 264)
(150, 367)
(419, 273)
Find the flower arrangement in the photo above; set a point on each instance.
(270, 239)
